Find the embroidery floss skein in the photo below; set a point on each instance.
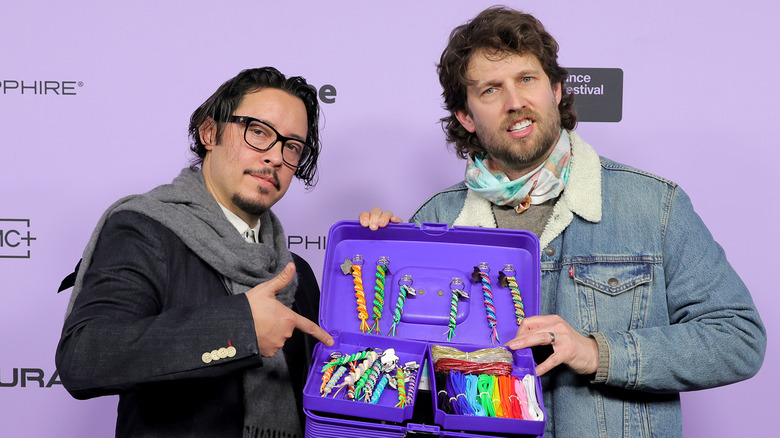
(533, 405)
(471, 395)
(514, 398)
(485, 393)
(505, 393)
(522, 398)
(498, 407)
(456, 387)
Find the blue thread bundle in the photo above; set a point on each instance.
(457, 387)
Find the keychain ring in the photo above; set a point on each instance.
(509, 268)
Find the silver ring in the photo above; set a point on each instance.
(552, 337)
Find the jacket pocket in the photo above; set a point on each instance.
(612, 295)
(613, 278)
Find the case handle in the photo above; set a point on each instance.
(434, 229)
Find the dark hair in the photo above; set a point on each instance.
(228, 97)
(498, 30)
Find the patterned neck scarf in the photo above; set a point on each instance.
(535, 187)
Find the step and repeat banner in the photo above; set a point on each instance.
(95, 99)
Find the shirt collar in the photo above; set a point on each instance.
(241, 226)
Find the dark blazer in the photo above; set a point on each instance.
(148, 311)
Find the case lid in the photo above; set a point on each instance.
(429, 258)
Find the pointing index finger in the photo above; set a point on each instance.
(307, 326)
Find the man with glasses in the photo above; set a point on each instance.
(185, 301)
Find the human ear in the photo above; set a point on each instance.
(208, 133)
(465, 120)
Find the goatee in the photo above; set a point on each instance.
(250, 207)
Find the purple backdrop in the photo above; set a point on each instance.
(110, 87)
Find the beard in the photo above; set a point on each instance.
(522, 154)
(251, 206)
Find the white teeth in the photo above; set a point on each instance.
(521, 125)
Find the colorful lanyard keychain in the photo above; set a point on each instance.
(355, 267)
(508, 278)
(357, 373)
(410, 379)
(456, 286)
(382, 271)
(327, 373)
(405, 290)
(480, 275)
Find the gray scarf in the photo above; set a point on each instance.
(188, 209)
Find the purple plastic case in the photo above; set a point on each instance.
(432, 254)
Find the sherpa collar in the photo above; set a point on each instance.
(582, 196)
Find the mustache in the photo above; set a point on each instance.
(518, 114)
(265, 171)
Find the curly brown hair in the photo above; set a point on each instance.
(496, 30)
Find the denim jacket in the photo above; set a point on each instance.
(626, 259)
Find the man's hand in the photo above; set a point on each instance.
(581, 354)
(376, 218)
(274, 322)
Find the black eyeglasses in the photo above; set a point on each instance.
(261, 136)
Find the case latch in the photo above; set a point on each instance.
(421, 430)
